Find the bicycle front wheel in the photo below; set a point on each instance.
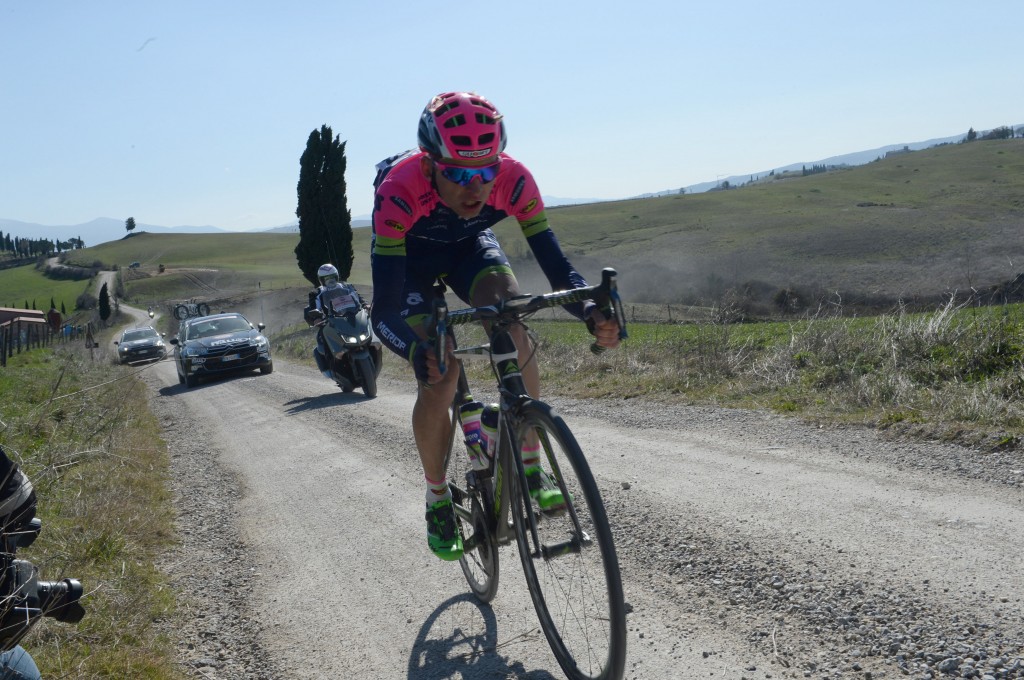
(569, 558)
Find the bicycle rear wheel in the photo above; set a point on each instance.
(570, 563)
(472, 497)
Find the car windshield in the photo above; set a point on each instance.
(138, 334)
(208, 329)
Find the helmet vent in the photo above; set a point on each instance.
(461, 140)
(455, 121)
(445, 108)
(486, 138)
(484, 103)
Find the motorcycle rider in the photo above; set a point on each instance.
(334, 297)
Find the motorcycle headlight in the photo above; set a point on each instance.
(363, 337)
(350, 340)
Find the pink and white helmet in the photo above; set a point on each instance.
(461, 126)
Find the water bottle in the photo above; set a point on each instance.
(470, 413)
(489, 429)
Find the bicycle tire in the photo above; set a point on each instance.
(480, 561)
(181, 312)
(577, 590)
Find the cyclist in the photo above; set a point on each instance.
(334, 297)
(433, 211)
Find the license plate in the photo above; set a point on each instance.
(229, 357)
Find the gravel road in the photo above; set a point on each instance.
(752, 546)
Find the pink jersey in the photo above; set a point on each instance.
(407, 206)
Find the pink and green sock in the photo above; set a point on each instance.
(437, 490)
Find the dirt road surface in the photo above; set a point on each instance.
(752, 546)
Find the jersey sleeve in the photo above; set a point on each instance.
(527, 206)
(391, 219)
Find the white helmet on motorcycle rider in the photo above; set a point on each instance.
(328, 275)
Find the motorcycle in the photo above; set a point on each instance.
(355, 355)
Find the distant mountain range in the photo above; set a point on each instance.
(103, 229)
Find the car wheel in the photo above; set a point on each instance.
(269, 368)
(191, 381)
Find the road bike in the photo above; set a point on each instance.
(568, 556)
(187, 310)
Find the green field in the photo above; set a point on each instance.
(25, 287)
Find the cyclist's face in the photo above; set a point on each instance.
(467, 201)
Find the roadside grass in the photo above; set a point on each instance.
(955, 374)
(82, 432)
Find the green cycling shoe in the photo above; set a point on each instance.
(544, 492)
(443, 534)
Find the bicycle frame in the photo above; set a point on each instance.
(575, 571)
(504, 357)
(493, 483)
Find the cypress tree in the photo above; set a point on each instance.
(325, 222)
(104, 303)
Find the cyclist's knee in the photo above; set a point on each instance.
(440, 394)
(494, 285)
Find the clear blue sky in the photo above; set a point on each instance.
(196, 112)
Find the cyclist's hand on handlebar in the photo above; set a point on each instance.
(425, 364)
(604, 330)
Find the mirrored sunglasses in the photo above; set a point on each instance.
(462, 175)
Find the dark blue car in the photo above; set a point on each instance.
(219, 343)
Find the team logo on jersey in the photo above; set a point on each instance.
(402, 205)
(397, 226)
(529, 206)
(517, 190)
(476, 154)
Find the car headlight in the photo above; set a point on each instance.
(260, 341)
(189, 351)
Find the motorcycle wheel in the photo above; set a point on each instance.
(367, 376)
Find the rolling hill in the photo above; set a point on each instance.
(912, 226)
